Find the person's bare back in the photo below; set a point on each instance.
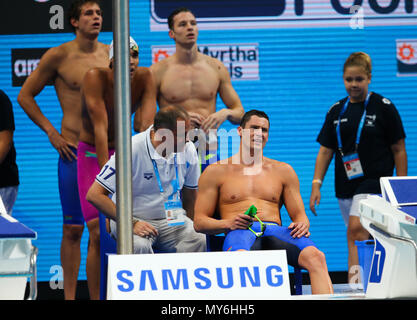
(102, 80)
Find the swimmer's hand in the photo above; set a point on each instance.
(315, 198)
(62, 146)
(196, 119)
(144, 229)
(240, 221)
(299, 229)
(214, 120)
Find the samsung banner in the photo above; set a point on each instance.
(239, 275)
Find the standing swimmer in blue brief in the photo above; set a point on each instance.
(248, 179)
(66, 66)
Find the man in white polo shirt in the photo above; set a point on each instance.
(165, 173)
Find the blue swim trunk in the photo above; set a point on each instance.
(275, 237)
(68, 191)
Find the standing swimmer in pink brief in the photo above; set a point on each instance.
(97, 144)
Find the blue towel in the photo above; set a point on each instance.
(14, 230)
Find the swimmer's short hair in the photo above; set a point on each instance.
(167, 117)
(74, 10)
(174, 13)
(251, 113)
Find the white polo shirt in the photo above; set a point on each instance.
(148, 202)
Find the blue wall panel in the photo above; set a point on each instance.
(300, 77)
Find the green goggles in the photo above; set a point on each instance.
(251, 212)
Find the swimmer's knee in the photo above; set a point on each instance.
(72, 233)
(312, 258)
(94, 230)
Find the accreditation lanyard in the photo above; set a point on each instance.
(155, 167)
(174, 212)
(158, 178)
(361, 124)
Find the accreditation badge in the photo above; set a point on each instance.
(352, 166)
(174, 212)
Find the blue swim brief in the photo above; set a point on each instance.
(68, 191)
(275, 237)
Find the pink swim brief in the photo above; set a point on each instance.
(87, 169)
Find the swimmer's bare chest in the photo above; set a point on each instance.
(190, 86)
(68, 83)
(238, 192)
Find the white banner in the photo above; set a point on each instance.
(238, 275)
(241, 59)
(247, 14)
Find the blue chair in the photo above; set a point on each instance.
(215, 243)
(107, 246)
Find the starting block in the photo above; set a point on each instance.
(391, 220)
(17, 258)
